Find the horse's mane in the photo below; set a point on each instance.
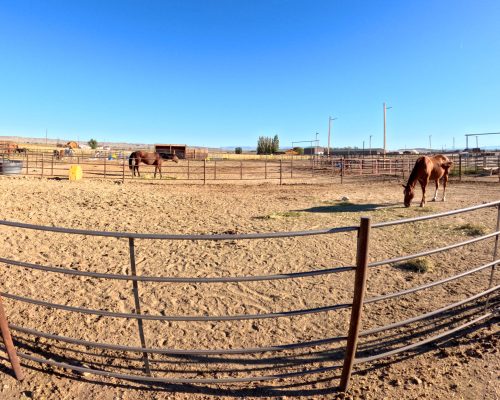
(412, 180)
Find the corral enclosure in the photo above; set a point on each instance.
(104, 205)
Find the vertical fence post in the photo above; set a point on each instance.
(495, 254)
(357, 304)
(281, 171)
(204, 171)
(215, 170)
(460, 167)
(52, 166)
(312, 165)
(123, 169)
(188, 170)
(137, 301)
(27, 164)
(291, 167)
(342, 162)
(42, 165)
(265, 168)
(9, 345)
(241, 170)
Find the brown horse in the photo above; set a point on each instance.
(425, 169)
(147, 158)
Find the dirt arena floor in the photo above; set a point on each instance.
(463, 366)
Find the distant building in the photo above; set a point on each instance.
(182, 151)
(315, 150)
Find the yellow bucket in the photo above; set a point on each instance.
(75, 173)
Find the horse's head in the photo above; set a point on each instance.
(409, 195)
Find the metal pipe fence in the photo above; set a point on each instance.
(362, 268)
(273, 169)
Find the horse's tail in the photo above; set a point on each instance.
(131, 160)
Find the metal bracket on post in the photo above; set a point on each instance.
(357, 304)
(135, 286)
(9, 345)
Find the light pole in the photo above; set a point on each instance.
(371, 145)
(330, 119)
(385, 110)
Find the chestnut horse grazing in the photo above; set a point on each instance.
(147, 158)
(425, 169)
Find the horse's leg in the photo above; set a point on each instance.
(445, 181)
(156, 169)
(423, 184)
(436, 192)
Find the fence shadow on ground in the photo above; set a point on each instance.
(304, 388)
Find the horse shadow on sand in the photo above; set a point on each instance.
(345, 206)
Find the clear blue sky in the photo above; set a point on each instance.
(222, 73)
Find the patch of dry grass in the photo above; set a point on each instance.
(420, 265)
(471, 229)
(284, 214)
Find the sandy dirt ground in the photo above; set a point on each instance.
(461, 366)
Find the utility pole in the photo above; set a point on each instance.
(45, 136)
(330, 119)
(385, 124)
(363, 149)
(430, 143)
(371, 145)
(477, 145)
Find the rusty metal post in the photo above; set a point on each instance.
(291, 167)
(42, 166)
(137, 301)
(27, 165)
(265, 168)
(105, 167)
(241, 170)
(123, 169)
(281, 172)
(495, 255)
(9, 345)
(188, 170)
(52, 166)
(204, 171)
(460, 167)
(342, 161)
(357, 303)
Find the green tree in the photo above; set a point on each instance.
(275, 144)
(92, 143)
(299, 150)
(267, 145)
(238, 150)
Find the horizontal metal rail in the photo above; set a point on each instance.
(422, 342)
(133, 349)
(433, 251)
(237, 236)
(429, 285)
(145, 278)
(433, 216)
(429, 314)
(241, 236)
(150, 317)
(251, 350)
(176, 380)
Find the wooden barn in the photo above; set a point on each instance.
(182, 151)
